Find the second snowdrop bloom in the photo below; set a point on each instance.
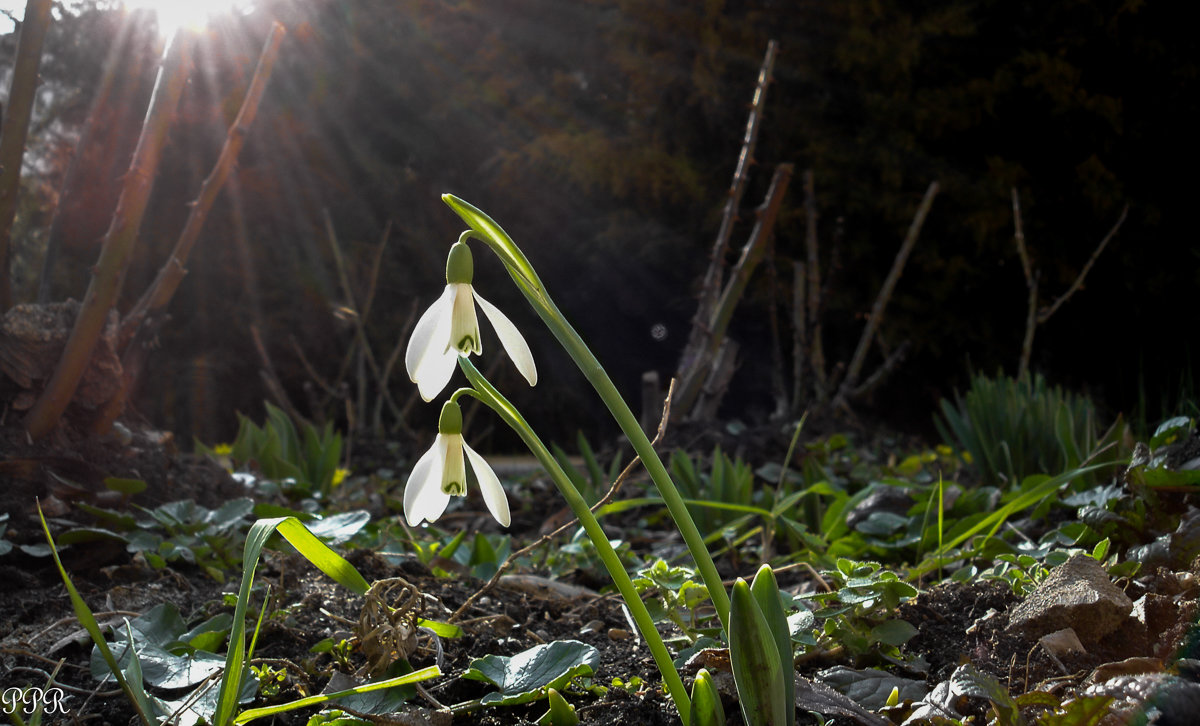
(441, 473)
(450, 328)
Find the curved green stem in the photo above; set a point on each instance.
(522, 273)
(487, 393)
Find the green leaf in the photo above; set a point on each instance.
(765, 590)
(870, 687)
(525, 676)
(443, 630)
(561, 713)
(89, 534)
(382, 701)
(307, 544)
(1165, 478)
(334, 717)
(969, 681)
(136, 693)
(1169, 430)
(893, 632)
(755, 658)
(706, 702)
(125, 486)
(881, 524)
(255, 713)
(338, 528)
(1089, 711)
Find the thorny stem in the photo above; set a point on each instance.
(485, 229)
(487, 393)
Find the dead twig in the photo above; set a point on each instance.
(271, 379)
(846, 389)
(1045, 313)
(359, 323)
(693, 377)
(1035, 316)
(812, 265)
(710, 288)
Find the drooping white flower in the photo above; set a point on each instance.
(441, 472)
(450, 328)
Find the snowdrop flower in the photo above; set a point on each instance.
(441, 473)
(450, 328)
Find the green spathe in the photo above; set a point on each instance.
(460, 265)
(450, 422)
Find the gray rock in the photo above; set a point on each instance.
(1077, 594)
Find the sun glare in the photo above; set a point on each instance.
(192, 14)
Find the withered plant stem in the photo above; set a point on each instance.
(160, 292)
(15, 130)
(849, 383)
(117, 248)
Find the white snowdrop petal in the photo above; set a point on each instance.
(489, 486)
(426, 475)
(511, 338)
(430, 334)
(435, 372)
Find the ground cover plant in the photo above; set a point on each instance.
(845, 557)
(1035, 561)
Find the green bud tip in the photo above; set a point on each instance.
(460, 266)
(450, 421)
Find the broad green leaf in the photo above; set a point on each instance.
(870, 687)
(1169, 430)
(338, 528)
(525, 676)
(881, 524)
(893, 632)
(969, 681)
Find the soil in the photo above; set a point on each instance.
(957, 623)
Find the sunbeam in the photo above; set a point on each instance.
(193, 14)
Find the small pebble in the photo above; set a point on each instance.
(619, 634)
(593, 626)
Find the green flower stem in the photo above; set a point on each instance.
(487, 393)
(531, 286)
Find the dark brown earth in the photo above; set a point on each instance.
(37, 627)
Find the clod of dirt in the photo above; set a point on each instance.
(31, 342)
(1077, 594)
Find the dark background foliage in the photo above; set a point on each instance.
(602, 135)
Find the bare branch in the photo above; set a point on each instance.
(885, 294)
(1045, 314)
(710, 288)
